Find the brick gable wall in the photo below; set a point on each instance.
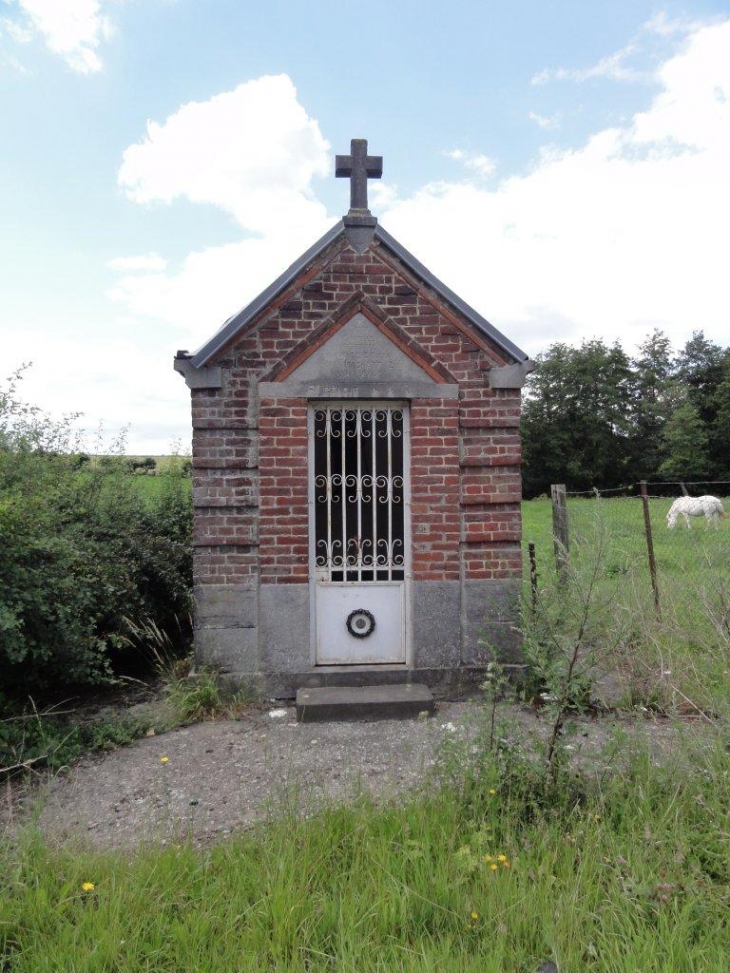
(250, 457)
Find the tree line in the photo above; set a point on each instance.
(595, 416)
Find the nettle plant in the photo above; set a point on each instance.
(571, 634)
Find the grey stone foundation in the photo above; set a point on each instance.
(260, 635)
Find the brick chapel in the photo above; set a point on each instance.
(356, 473)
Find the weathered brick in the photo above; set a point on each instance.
(250, 484)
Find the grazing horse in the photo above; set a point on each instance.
(708, 507)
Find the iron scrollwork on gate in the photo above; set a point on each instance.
(359, 494)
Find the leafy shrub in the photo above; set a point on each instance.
(82, 552)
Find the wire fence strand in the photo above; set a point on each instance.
(688, 533)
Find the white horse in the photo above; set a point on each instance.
(708, 507)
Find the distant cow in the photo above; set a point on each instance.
(708, 507)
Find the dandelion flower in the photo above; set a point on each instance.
(87, 886)
(492, 791)
(494, 866)
(163, 760)
(501, 858)
(475, 916)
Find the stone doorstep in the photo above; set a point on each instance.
(389, 702)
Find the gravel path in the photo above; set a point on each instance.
(209, 780)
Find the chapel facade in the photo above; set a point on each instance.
(356, 473)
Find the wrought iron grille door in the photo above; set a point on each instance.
(359, 527)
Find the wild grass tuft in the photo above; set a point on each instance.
(205, 694)
(634, 876)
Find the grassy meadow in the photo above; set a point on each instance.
(510, 857)
(679, 553)
(680, 655)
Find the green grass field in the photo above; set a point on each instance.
(632, 875)
(621, 866)
(684, 651)
(679, 552)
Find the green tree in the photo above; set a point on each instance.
(719, 433)
(701, 368)
(654, 369)
(685, 441)
(577, 417)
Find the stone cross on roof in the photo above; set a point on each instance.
(359, 167)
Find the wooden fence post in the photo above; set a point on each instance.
(560, 529)
(650, 547)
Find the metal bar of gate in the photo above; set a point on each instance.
(344, 498)
(327, 435)
(358, 491)
(389, 495)
(374, 494)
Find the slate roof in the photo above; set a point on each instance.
(238, 321)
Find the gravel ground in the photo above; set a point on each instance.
(206, 781)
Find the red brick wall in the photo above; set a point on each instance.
(283, 485)
(250, 477)
(225, 488)
(435, 489)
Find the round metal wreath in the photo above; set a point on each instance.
(361, 623)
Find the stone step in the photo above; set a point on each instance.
(364, 702)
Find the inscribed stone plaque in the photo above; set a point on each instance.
(359, 351)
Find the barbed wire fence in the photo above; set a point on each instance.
(667, 551)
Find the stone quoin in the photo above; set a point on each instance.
(356, 473)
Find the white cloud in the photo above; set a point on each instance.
(624, 233)
(212, 284)
(663, 25)
(73, 29)
(14, 64)
(545, 121)
(20, 33)
(617, 66)
(614, 67)
(252, 151)
(126, 380)
(142, 262)
(483, 165)
(381, 195)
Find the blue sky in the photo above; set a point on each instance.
(563, 166)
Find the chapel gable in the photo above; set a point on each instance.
(356, 471)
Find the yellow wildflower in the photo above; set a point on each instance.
(87, 886)
(475, 916)
(163, 760)
(488, 858)
(494, 866)
(501, 858)
(492, 791)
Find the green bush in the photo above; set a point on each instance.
(82, 551)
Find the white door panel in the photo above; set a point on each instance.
(375, 630)
(360, 532)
